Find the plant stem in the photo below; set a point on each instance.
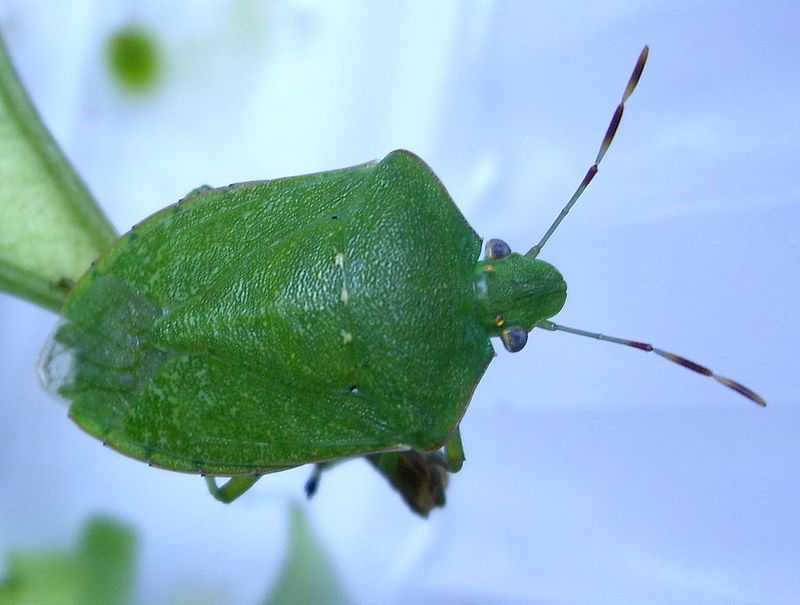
(51, 228)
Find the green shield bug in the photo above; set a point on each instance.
(265, 325)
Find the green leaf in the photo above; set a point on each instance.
(40, 579)
(106, 559)
(100, 570)
(134, 59)
(50, 226)
(307, 575)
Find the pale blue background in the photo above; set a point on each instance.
(594, 474)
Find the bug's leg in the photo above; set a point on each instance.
(454, 451)
(233, 488)
(421, 478)
(313, 481)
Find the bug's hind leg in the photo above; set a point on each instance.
(233, 488)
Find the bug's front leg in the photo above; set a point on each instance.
(233, 488)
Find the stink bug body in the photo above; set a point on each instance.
(265, 325)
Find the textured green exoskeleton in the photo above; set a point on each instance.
(272, 324)
(265, 325)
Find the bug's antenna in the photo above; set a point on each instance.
(648, 348)
(610, 132)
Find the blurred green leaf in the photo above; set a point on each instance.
(307, 575)
(50, 226)
(134, 58)
(40, 579)
(107, 562)
(99, 571)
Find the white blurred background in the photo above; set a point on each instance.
(595, 474)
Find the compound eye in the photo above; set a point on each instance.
(497, 248)
(514, 338)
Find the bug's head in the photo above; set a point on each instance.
(515, 292)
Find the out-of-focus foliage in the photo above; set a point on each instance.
(307, 575)
(134, 59)
(50, 226)
(98, 571)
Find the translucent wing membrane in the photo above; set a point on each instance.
(56, 364)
